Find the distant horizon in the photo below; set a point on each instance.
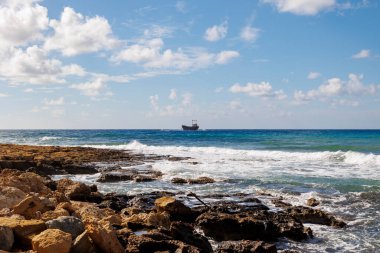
(266, 64)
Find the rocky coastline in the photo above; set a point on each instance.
(38, 214)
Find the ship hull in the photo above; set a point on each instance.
(190, 128)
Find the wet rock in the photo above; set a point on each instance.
(280, 203)
(142, 178)
(176, 159)
(245, 246)
(115, 202)
(176, 209)
(314, 216)
(6, 238)
(201, 180)
(312, 202)
(108, 177)
(185, 232)
(83, 244)
(52, 240)
(23, 229)
(10, 196)
(178, 180)
(68, 224)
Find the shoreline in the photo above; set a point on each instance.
(134, 223)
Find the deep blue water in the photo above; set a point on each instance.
(366, 141)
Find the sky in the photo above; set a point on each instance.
(242, 64)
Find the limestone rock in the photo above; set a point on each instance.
(68, 224)
(29, 207)
(10, 196)
(104, 237)
(245, 246)
(6, 238)
(176, 209)
(74, 190)
(83, 244)
(25, 181)
(52, 240)
(51, 215)
(144, 220)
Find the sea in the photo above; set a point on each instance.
(341, 168)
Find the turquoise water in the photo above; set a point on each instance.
(339, 167)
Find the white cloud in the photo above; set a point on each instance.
(150, 54)
(263, 89)
(21, 21)
(302, 7)
(75, 34)
(313, 75)
(50, 102)
(216, 32)
(344, 102)
(173, 94)
(32, 66)
(225, 56)
(154, 102)
(249, 33)
(158, 31)
(91, 89)
(335, 87)
(365, 53)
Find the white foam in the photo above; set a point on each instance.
(50, 138)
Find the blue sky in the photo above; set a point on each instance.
(159, 64)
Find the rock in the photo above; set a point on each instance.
(109, 177)
(74, 190)
(175, 208)
(104, 236)
(29, 207)
(312, 202)
(83, 244)
(314, 216)
(201, 180)
(178, 180)
(25, 181)
(68, 224)
(144, 178)
(52, 240)
(23, 230)
(51, 215)
(245, 246)
(6, 238)
(186, 233)
(144, 220)
(10, 196)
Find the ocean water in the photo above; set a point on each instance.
(339, 167)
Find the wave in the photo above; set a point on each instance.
(347, 157)
(50, 138)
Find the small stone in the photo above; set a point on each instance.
(68, 224)
(6, 238)
(52, 240)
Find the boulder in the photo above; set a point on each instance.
(52, 240)
(147, 220)
(29, 207)
(201, 180)
(74, 190)
(10, 196)
(176, 209)
(104, 236)
(51, 215)
(245, 246)
(83, 244)
(312, 202)
(314, 216)
(25, 181)
(112, 177)
(68, 224)
(6, 238)
(23, 230)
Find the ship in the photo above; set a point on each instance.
(194, 126)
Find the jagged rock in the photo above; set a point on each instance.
(23, 230)
(314, 216)
(115, 202)
(186, 233)
(144, 220)
(245, 246)
(178, 180)
(10, 196)
(30, 206)
(111, 177)
(312, 202)
(51, 215)
(68, 224)
(6, 238)
(280, 203)
(25, 181)
(103, 236)
(175, 208)
(201, 180)
(52, 240)
(83, 244)
(73, 190)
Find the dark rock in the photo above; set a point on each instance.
(107, 177)
(16, 164)
(176, 209)
(115, 202)
(6, 238)
(245, 246)
(312, 202)
(68, 224)
(178, 180)
(314, 216)
(201, 180)
(141, 178)
(280, 203)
